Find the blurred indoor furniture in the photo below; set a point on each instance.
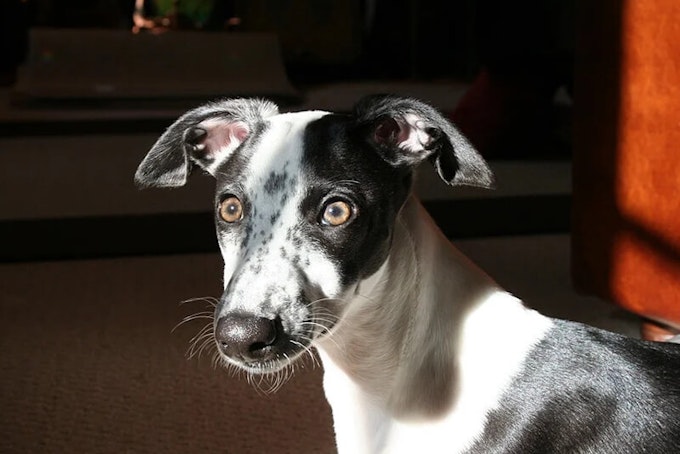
(626, 167)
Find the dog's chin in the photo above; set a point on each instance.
(263, 367)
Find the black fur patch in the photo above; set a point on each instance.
(340, 163)
(587, 390)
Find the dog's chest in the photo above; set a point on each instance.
(482, 373)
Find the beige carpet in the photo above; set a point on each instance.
(89, 365)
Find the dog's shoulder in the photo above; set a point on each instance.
(582, 389)
(583, 350)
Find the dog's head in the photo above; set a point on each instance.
(305, 205)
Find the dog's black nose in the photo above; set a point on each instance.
(245, 337)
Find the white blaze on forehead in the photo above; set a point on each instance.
(282, 140)
(267, 270)
(278, 157)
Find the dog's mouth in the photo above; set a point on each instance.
(264, 367)
(268, 359)
(261, 344)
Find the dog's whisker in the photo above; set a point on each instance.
(309, 351)
(258, 384)
(205, 342)
(306, 349)
(324, 300)
(320, 310)
(323, 330)
(211, 300)
(207, 329)
(208, 314)
(281, 377)
(215, 360)
(202, 340)
(199, 346)
(325, 320)
(190, 318)
(198, 351)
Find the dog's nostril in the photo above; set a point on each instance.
(241, 335)
(268, 335)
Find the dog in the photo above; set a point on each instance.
(326, 247)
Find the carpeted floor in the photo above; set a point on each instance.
(89, 365)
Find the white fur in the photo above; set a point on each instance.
(490, 354)
(481, 333)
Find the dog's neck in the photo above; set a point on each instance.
(388, 324)
(410, 328)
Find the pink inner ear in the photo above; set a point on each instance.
(409, 133)
(222, 137)
(391, 132)
(240, 131)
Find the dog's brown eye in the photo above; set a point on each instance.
(336, 213)
(231, 209)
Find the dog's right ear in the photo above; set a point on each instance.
(406, 131)
(205, 136)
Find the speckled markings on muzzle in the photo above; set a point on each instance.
(272, 270)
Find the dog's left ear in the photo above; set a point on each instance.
(406, 131)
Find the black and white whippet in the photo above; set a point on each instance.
(325, 246)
